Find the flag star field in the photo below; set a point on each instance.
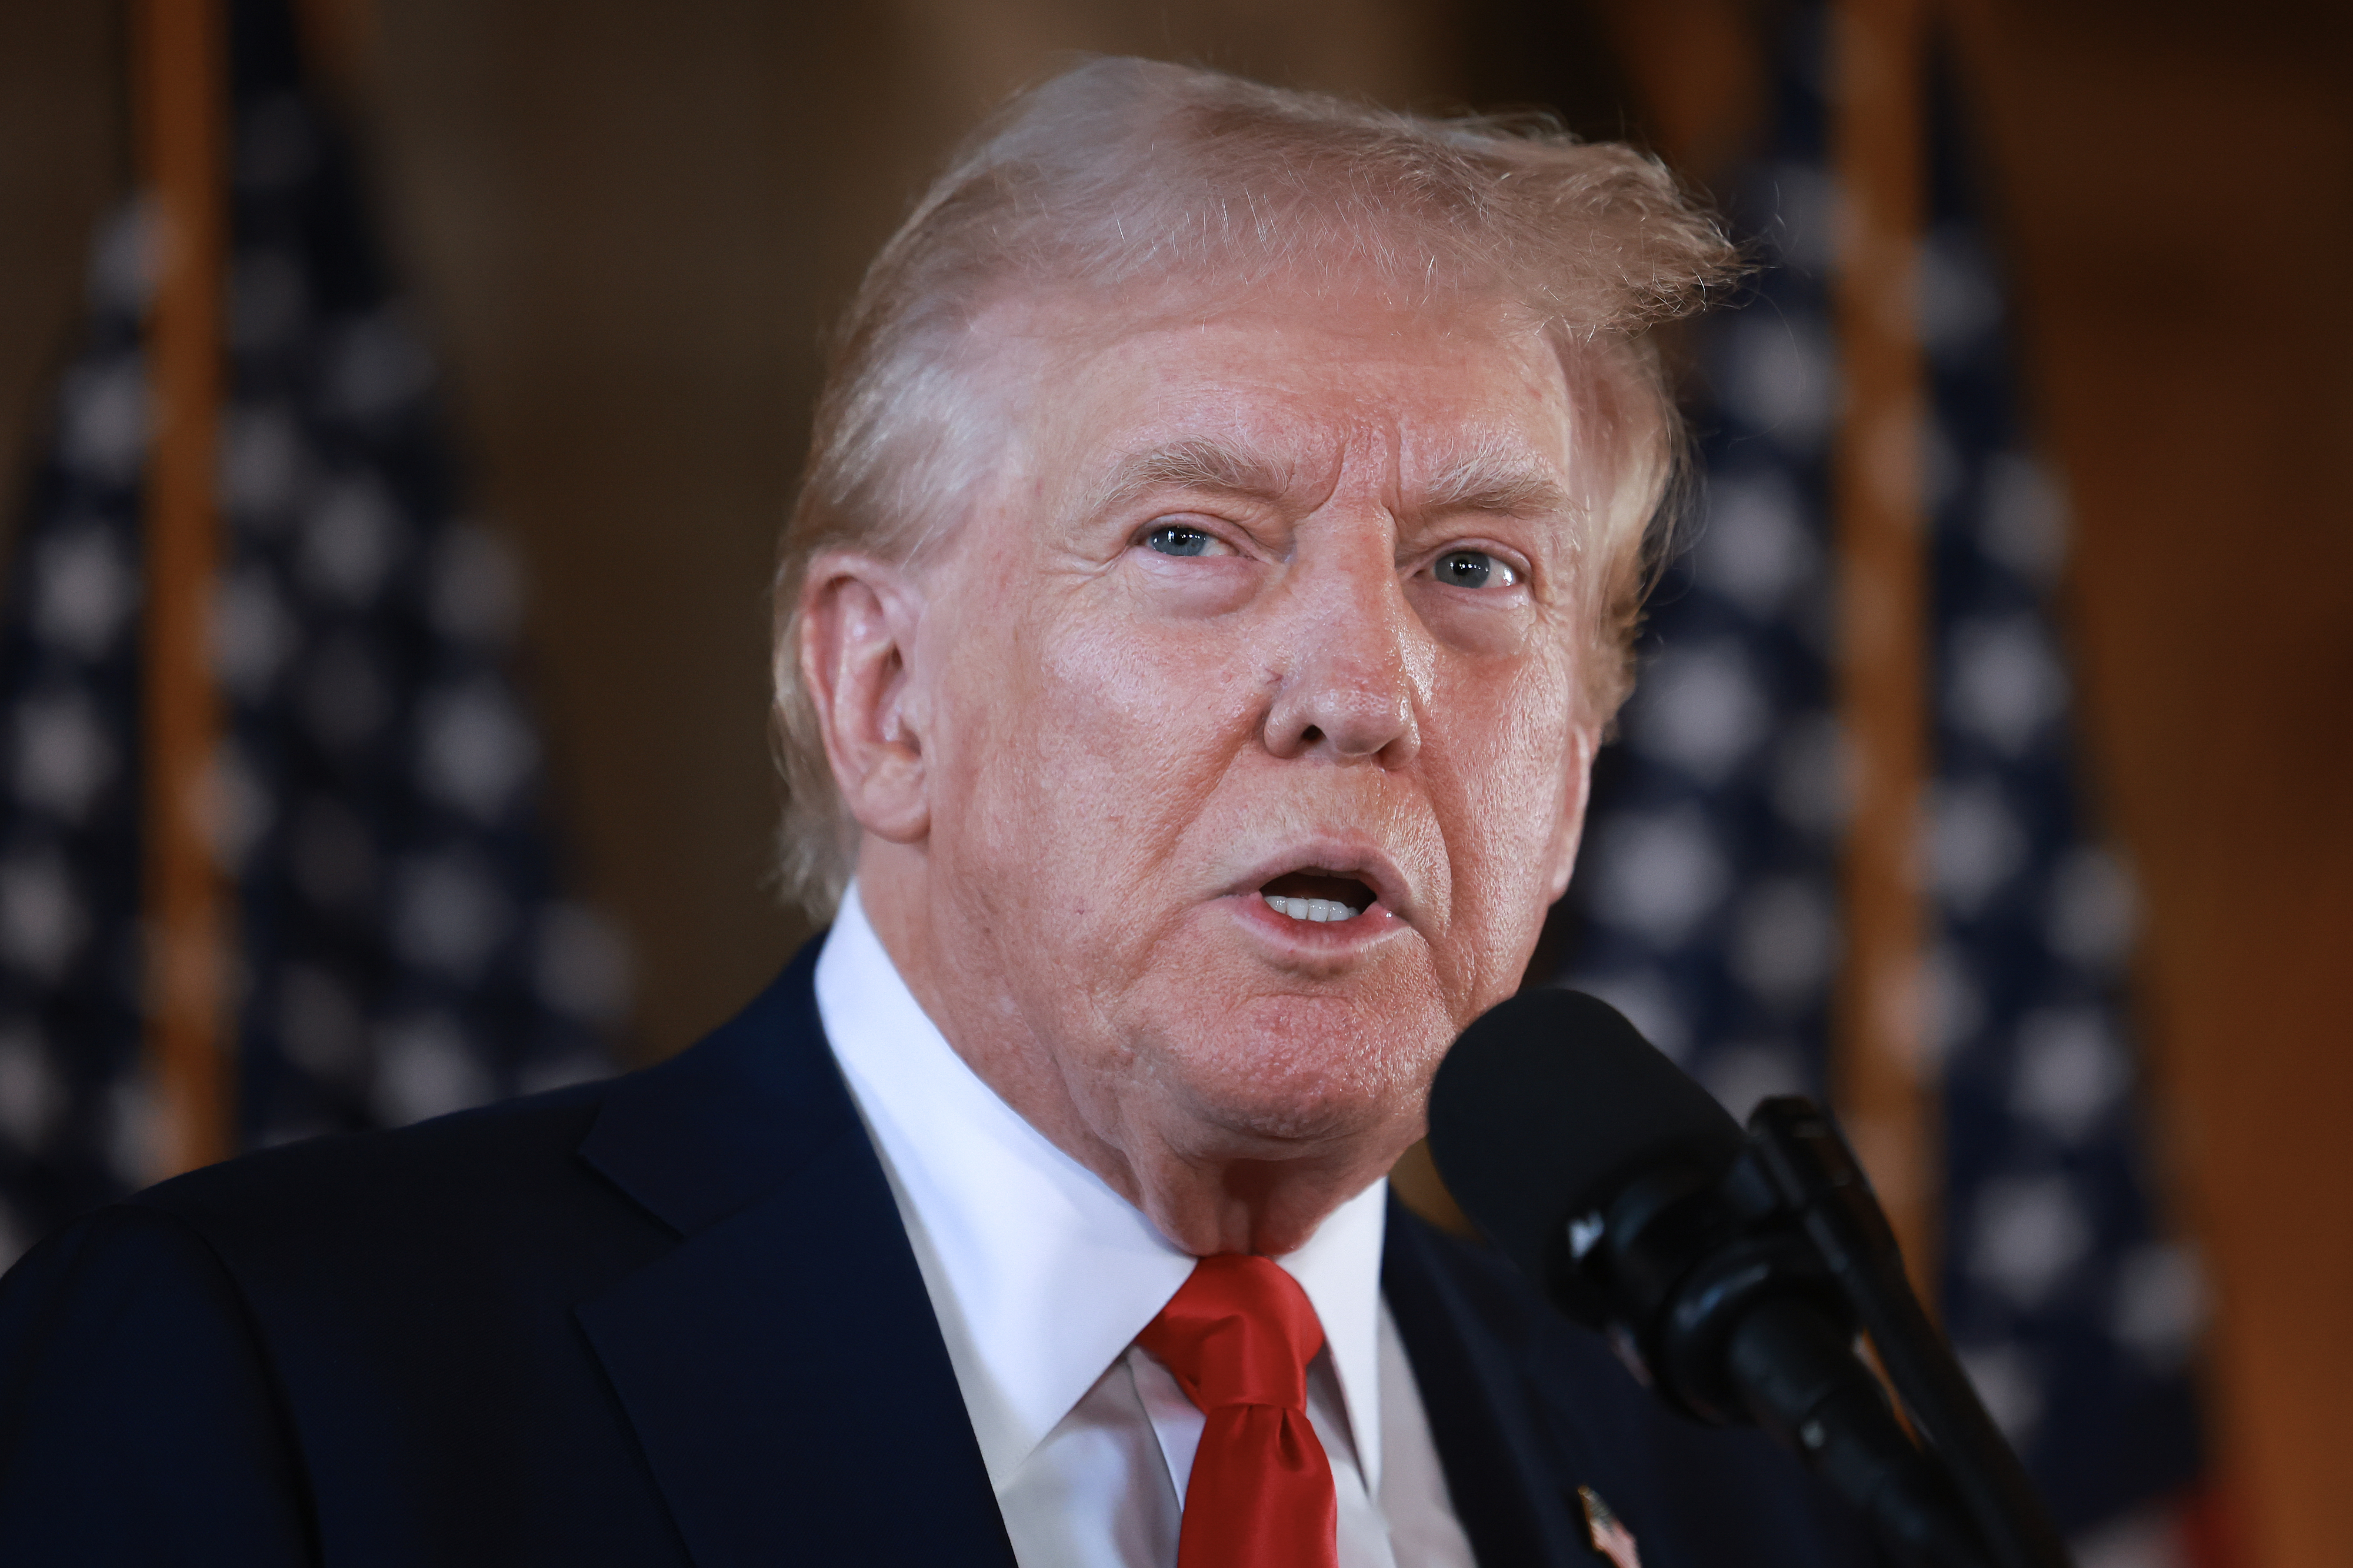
(1708, 894)
(376, 800)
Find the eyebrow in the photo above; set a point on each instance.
(1211, 466)
(1487, 481)
(1496, 483)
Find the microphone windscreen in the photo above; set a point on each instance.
(1547, 1104)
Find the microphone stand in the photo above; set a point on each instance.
(1800, 1151)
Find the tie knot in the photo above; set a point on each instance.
(1238, 1332)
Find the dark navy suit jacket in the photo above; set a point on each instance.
(673, 1318)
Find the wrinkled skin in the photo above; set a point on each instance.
(1084, 731)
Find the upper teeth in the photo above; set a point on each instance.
(1311, 908)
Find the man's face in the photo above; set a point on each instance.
(1270, 613)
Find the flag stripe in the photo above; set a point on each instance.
(184, 98)
(1878, 1018)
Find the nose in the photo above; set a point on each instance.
(1346, 642)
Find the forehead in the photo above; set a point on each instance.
(1299, 384)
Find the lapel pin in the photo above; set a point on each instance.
(1605, 1533)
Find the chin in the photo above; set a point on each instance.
(1290, 1074)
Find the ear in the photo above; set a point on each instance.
(858, 622)
(1577, 790)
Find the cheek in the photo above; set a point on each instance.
(1506, 749)
(1095, 740)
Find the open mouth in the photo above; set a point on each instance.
(1317, 895)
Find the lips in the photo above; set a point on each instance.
(1319, 895)
(1328, 887)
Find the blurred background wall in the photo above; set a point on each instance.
(626, 222)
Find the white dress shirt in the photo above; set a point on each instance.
(1042, 1276)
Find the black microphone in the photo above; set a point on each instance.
(1622, 1189)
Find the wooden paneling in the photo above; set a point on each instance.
(64, 153)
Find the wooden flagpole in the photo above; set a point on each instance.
(182, 75)
(1882, 1079)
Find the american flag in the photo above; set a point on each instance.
(404, 949)
(1708, 896)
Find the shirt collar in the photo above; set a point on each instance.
(1041, 1275)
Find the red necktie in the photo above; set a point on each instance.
(1238, 1336)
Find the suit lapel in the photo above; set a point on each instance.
(782, 1365)
(1512, 1479)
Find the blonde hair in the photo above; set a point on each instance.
(1128, 172)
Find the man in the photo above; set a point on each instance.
(1225, 525)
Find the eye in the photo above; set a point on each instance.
(1472, 569)
(1178, 539)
